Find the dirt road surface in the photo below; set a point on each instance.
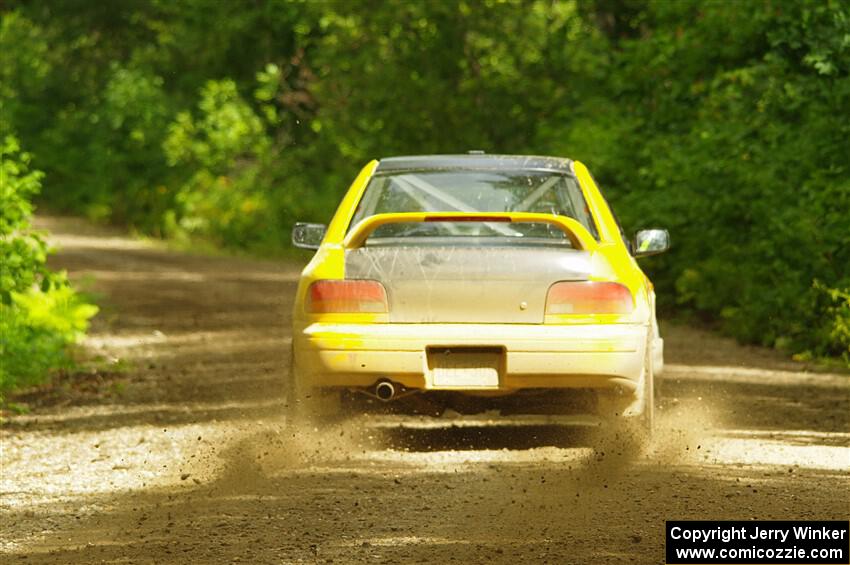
(176, 449)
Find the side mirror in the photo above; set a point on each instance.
(308, 236)
(651, 242)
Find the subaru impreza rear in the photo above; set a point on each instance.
(475, 282)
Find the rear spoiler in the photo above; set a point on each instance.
(575, 232)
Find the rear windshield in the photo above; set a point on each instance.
(474, 191)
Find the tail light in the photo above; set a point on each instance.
(346, 297)
(589, 297)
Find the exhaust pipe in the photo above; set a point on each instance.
(385, 391)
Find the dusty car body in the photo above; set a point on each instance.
(502, 278)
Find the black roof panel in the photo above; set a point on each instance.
(474, 161)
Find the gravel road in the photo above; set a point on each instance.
(175, 449)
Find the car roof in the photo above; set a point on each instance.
(475, 161)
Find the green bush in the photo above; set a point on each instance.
(742, 158)
(834, 326)
(40, 314)
(223, 198)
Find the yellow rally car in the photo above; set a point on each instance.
(476, 282)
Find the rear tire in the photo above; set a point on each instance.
(629, 434)
(292, 400)
(639, 428)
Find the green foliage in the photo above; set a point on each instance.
(40, 314)
(36, 330)
(718, 120)
(21, 75)
(59, 311)
(834, 327)
(28, 353)
(23, 252)
(223, 148)
(227, 130)
(748, 167)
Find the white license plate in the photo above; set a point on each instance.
(465, 368)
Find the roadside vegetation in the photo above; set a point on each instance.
(40, 314)
(227, 121)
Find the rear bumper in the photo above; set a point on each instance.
(535, 356)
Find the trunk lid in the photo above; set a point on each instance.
(451, 284)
